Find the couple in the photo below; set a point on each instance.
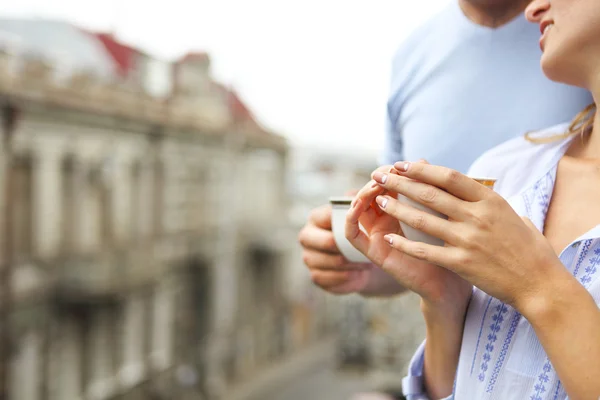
(511, 302)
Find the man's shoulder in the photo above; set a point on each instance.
(517, 161)
(419, 37)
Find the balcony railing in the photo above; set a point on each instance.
(90, 281)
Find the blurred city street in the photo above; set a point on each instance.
(321, 384)
(311, 375)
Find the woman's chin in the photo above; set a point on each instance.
(552, 70)
(549, 66)
(559, 71)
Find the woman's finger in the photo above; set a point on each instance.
(419, 220)
(451, 181)
(369, 191)
(369, 217)
(353, 232)
(423, 193)
(438, 255)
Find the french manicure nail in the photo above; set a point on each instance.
(389, 239)
(382, 201)
(402, 166)
(380, 177)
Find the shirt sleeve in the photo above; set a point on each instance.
(412, 384)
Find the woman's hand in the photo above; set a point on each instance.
(440, 288)
(444, 294)
(486, 242)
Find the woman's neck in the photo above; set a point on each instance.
(586, 147)
(492, 15)
(593, 144)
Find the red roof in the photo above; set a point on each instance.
(237, 107)
(122, 54)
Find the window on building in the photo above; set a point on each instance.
(201, 210)
(106, 222)
(101, 383)
(134, 331)
(157, 196)
(264, 273)
(162, 326)
(69, 204)
(22, 207)
(101, 180)
(136, 202)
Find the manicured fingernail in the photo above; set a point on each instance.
(354, 201)
(389, 239)
(382, 201)
(380, 177)
(402, 166)
(374, 184)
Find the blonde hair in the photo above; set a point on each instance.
(582, 123)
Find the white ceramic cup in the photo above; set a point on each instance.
(418, 236)
(414, 234)
(340, 207)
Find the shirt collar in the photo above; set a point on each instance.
(538, 195)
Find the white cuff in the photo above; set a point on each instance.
(412, 384)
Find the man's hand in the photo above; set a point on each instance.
(329, 269)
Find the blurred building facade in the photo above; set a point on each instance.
(146, 242)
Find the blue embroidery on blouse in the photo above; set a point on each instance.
(539, 195)
(544, 195)
(558, 390)
(582, 255)
(480, 332)
(507, 341)
(495, 327)
(540, 386)
(527, 202)
(591, 269)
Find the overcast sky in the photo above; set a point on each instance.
(316, 71)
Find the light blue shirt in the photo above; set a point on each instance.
(501, 357)
(459, 89)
